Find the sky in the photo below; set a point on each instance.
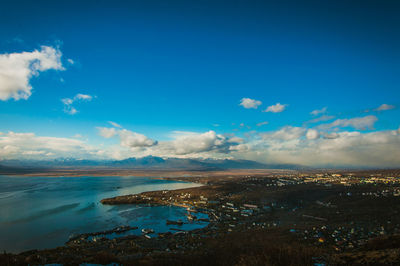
(307, 82)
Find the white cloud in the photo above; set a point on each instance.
(385, 107)
(16, 70)
(29, 146)
(133, 140)
(262, 123)
(277, 108)
(34, 152)
(68, 108)
(183, 144)
(321, 119)
(345, 149)
(70, 61)
(320, 111)
(106, 132)
(250, 103)
(191, 142)
(67, 101)
(360, 123)
(312, 134)
(287, 145)
(284, 134)
(191, 145)
(114, 124)
(332, 135)
(83, 97)
(127, 138)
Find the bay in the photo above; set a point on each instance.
(43, 212)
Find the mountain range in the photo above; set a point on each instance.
(148, 162)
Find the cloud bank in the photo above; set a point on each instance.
(298, 145)
(338, 149)
(29, 146)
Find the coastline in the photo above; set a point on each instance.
(72, 172)
(303, 216)
(61, 195)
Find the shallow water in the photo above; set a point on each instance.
(42, 212)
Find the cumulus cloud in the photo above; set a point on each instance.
(69, 108)
(183, 144)
(190, 142)
(320, 111)
(133, 140)
(312, 134)
(344, 149)
(360, 123)
(127, 138)
(385, 107)
(106, 132)
(276, 108)
(17, 69)
(250, 103)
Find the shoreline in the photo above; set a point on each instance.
(314, 219)
(164, 182)
(72, 172)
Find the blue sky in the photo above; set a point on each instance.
(171, 72)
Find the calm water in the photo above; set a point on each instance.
(42, 212)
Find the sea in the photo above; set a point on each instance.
(44, 212)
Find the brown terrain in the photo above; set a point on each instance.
(256, 217)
